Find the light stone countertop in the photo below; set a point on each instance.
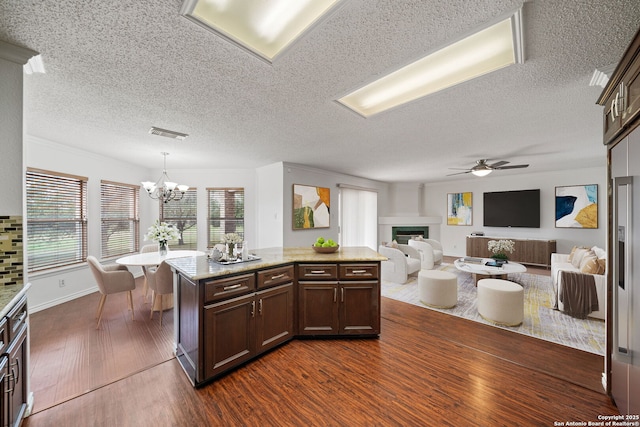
(202, 267)
(10, 295)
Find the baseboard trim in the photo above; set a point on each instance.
(61, 300)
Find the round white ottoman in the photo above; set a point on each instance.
(438, 288)
(501, 301)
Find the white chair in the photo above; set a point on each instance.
(400, 264)
(111, 279)
(160, 283)
(145, 285)
(430, 252)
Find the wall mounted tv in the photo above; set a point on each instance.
(512, 209)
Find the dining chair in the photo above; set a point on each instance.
(145, 283)
(160, 283)
(111, 279)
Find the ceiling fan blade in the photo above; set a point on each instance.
(498, 164)
(459, 173)
(512, 167)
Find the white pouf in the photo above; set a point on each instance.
(438, 288)
(501, 301)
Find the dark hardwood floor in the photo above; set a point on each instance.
(427, 368)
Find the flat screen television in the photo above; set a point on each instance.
(512, 209)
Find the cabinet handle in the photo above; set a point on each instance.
(317, 272)
(9, 390)
(260, 306)
(614, 106)
(253, 308)
(277, 276)
(358, 271)
(335, 294)
(22, 317)
(232, 287)
(341, 294)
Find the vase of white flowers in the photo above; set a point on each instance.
(162, 232)
(231, 240)
(499, 249)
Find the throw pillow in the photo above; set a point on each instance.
(392, 244)
(589, 264)
(602, 265)
(600, 253)
(577, 257)
(573, 251)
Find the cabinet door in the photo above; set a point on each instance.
(229, 334)
(274, 319)
(360, 308)
(4, 387)
(17, 391)
(318, 308)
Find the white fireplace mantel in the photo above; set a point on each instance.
(409, 220)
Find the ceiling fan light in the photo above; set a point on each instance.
(481, 172)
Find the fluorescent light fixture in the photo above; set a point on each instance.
(485, 51)
(34, 65)
(265, 28)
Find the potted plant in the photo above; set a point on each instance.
(499, 249)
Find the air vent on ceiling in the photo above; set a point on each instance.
(168, 133)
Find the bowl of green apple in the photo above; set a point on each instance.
(323, 246)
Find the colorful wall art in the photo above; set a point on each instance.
(459, 208)
(577, 206)
(310, 207)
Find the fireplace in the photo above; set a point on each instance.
(404, 233)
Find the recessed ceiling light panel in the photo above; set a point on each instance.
(487, 50)
(265, 28)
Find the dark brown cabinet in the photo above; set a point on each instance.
(621, 97)
(527, 251)
(343, 300)
(16, 391)
(227, 320)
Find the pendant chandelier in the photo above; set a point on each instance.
(164, 189)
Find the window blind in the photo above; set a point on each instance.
(226, 213)
(183, 214)
(120, 223)
(56, 219)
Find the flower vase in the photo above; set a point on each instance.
(230, 254)
(162, 247)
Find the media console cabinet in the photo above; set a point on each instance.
(227, 315)
(527, 251)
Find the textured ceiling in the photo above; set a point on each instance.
(116, 68)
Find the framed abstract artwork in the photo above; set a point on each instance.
(310, 207)
(460, 208)
(577, 206)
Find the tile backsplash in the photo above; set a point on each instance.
(11, 251)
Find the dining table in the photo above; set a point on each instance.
(153, 259)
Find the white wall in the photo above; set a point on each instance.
(270, 206)
(299, 174)
(453, 238)
(11, 165)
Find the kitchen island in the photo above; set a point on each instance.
(227, 315)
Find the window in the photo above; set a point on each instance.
(358, 217)
(56, 219)
(120, 221)
(226, 213)
(183, 214)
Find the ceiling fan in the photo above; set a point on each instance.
(482, 168)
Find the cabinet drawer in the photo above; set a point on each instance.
(17, 317)
(275, 276)
(317, 271)
(220, 289)
(358, 271)
(4, 335)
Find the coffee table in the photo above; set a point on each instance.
(477, 267)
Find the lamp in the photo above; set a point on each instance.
(482, 170)
(164, 189)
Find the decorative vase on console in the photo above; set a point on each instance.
(499, 249)
(162, 232)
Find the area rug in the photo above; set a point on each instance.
(540, 319)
